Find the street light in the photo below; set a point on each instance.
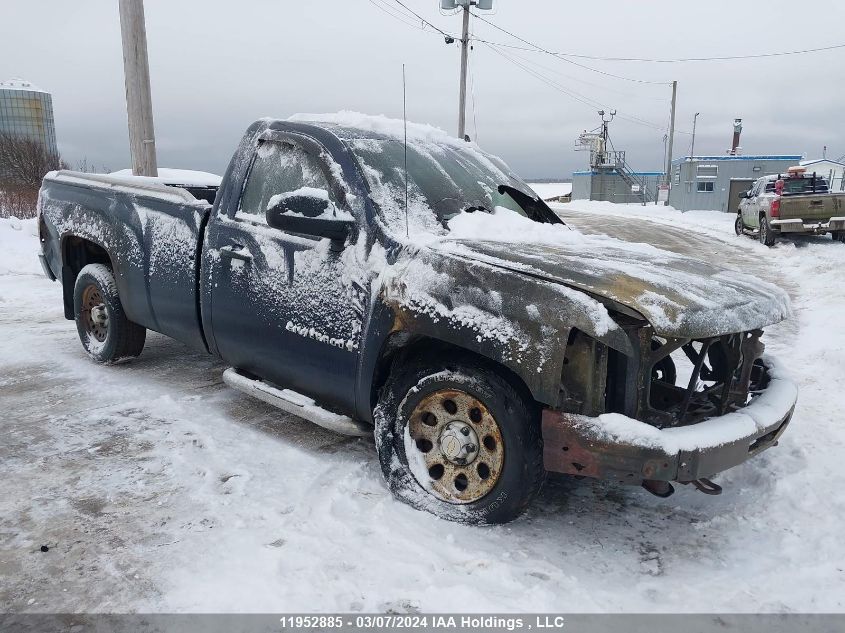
(692, 147)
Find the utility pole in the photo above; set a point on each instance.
(139, 105)
(666, 176)
(450, 5)
(462, 95)
(692, 146)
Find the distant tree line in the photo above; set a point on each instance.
(23, 164)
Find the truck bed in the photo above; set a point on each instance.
(811, 207)
(153, 233)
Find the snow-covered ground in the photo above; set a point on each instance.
(549, 190)
(156, 488)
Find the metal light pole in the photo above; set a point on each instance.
(139, 105)
(692, 146)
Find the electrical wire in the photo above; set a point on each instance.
(583, 99)
(422, 19)
(592, 103)
(560, 56)
(388, 10)
(587, 83)
(662, 60)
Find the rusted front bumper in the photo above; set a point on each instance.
(628, 451)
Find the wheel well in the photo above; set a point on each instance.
(400, 346)
(77, 253)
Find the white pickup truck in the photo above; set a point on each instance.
(797, 202)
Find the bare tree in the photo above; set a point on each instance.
(24, 161)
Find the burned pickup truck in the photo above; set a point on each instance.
(418, 290)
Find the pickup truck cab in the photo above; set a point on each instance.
(418, 291)
(794, 203)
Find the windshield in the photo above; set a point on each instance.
(443, 181)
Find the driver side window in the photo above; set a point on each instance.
(279, 168)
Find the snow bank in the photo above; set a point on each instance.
(18, 247)
(549, 190)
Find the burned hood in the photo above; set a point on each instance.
(680, 296)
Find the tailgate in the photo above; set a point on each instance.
(812, 206)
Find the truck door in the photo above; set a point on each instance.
(283, 306)
(750, 214)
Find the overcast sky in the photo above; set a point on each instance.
(217, 65)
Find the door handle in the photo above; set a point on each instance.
(236, 251)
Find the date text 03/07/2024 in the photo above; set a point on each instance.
(414, 621)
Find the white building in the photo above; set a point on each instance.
(830, 169)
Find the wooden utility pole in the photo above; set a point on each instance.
(139, 104)
(668, 175)
(462, 96)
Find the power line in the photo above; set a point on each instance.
(560, 56)
(422, 19)
(400, 17)
(589, 102)
(588, 83)
(660, 60)
(706, 59)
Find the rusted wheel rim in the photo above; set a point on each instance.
(460, 443)
(94, 314)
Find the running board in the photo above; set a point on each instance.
(295, 404)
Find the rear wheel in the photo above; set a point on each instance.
(106, 333)
(767, 236)
(739, 227)
(459, 442)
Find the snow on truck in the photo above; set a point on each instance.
(789, 204)
(420, 291)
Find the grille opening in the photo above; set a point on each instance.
(711, 366)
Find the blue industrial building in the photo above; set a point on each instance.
(715, 182)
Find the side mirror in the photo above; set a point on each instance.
(744, 194)
(309, 214)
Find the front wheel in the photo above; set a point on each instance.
(739, 227)
(106, 333)
(459, 442)
(767, 236)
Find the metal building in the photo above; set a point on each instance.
(610, 178)
(715, 182)
(27, 111)
(615, 184)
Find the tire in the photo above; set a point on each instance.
(105, 332)
(739, 227)
(767, 236)
(504, 430)
(838, 236)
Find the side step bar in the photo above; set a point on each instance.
(295, 404)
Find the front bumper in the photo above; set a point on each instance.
(816, 228)
(615, 447)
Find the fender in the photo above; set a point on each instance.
(519, 322)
